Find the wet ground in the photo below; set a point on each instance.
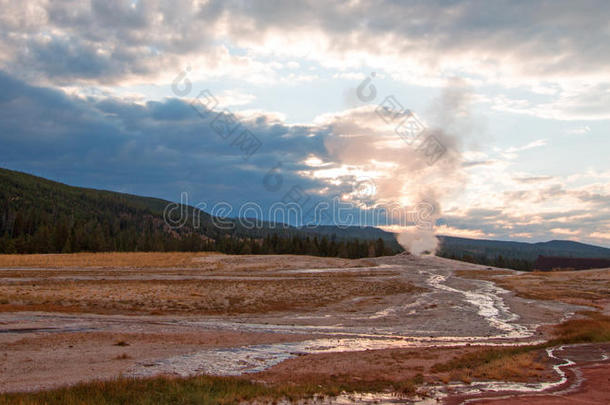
(583, 374)
(443, 310)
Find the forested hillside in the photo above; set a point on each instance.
(43, 216)
(515, 255)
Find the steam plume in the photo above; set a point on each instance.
(402, 172)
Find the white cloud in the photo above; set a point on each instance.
(565, 231)
(546, 46)
(234, 98)
(583, 130)
(534, 144)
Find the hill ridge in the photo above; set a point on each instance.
(42, 215)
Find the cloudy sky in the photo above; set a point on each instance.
(212, 98)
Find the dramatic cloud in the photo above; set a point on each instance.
(87, 98)
(534, 40)
(557, 49)
(156, 148)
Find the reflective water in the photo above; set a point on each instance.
(490, 305)
(485, 299)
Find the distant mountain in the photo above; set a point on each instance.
(573, 249)
(520, 255)
(343, 233)
(40, 215)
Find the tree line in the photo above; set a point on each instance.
(42, 216)
(35, 231)
(495, 261)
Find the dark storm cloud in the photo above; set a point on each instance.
(156, 148)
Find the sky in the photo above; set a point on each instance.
(239, 102)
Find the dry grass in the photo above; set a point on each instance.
(373, 370)
(167, 259)
(110, 259)
(495, 364)
(34, 276)
(171, 283)
(592, 327)
(524, 366)
(216, 296)
(201, 390)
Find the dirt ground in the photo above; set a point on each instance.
(281, 319)
(47, 360)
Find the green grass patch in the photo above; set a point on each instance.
(155, 391)
(201, 390)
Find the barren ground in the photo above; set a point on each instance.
(369, 324)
